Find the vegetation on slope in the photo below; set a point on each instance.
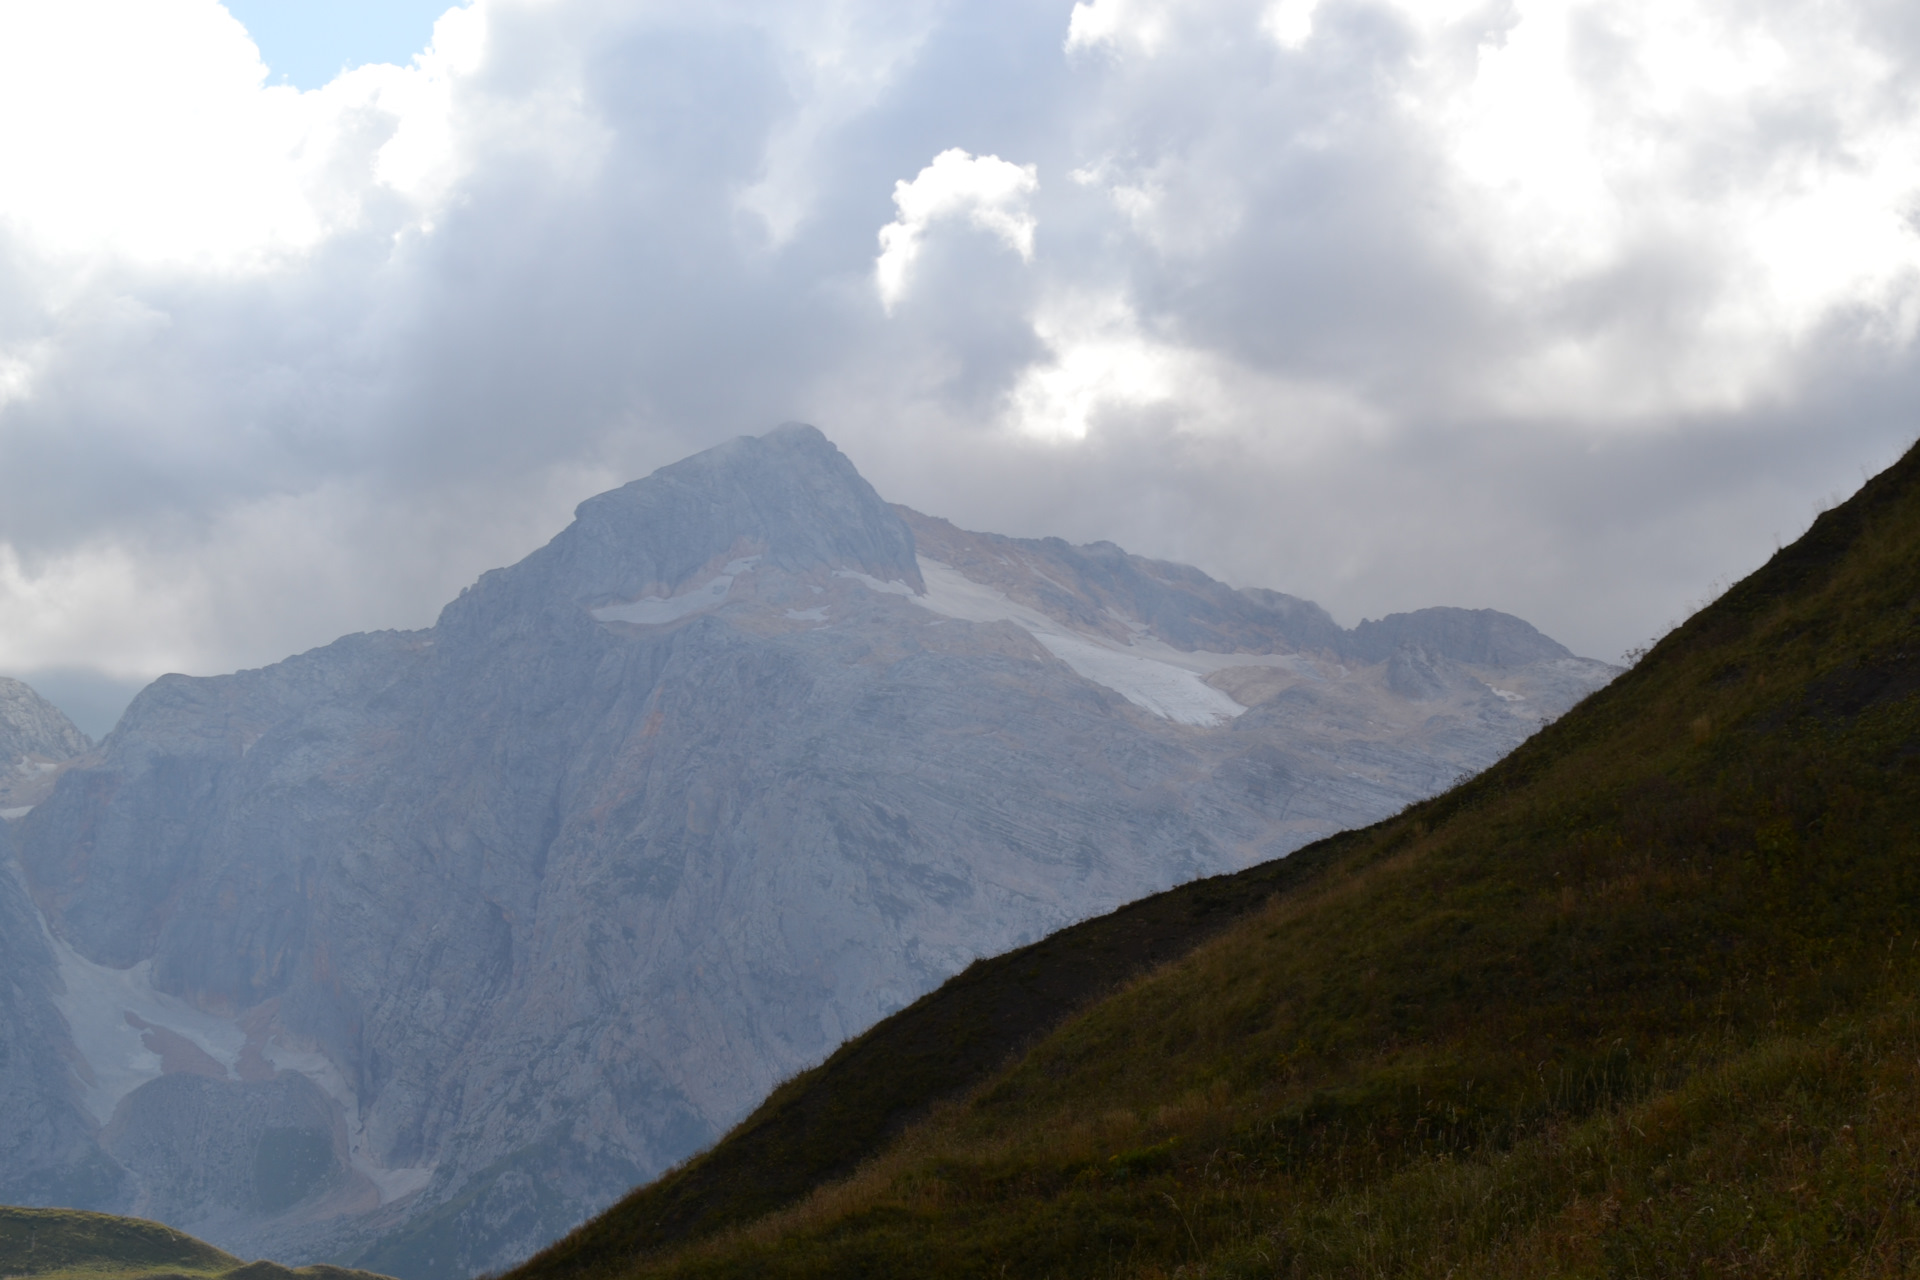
(67, 1244)
(1638, 1000)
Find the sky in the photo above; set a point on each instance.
(310, 313)
(306, 43)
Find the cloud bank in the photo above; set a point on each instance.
(1569, 309)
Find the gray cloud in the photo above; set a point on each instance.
(1291, 314)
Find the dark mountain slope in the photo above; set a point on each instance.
(1637, 1000)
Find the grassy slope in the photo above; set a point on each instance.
(67, 1244)
(1638, 1000)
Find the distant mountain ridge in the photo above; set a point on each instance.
(412, 950)
(1099, 586)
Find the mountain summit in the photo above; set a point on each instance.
(788, 498)
(413, 950)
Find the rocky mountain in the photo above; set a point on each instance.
(36, 739)
(413, 950)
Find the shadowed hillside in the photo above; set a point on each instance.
(1637, 1000)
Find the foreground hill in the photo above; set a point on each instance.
(1638, 1000)
(62, 1244)
(414, 950)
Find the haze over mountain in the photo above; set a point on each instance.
(414, 949)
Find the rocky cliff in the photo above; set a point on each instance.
(413, 950)
(36, 739)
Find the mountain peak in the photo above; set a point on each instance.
(798, 435)
(32, 726)
(35, 738)
(789, 496)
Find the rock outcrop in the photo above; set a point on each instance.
(412, 950)
(36, 739)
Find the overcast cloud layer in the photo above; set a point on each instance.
(1568, 309)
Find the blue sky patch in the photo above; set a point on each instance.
(306, 43)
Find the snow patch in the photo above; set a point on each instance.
(1507, 695)
(1160, 687)
(1151, 675)
(96, 1001)
(21, 812)
(874, 584)
(808, 615)
(652, 611)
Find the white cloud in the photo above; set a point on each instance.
(840, 64)
(990, 193)
(1098, 359)
(1141, 24)
(1102, 365)
(158, 142)
(1345, 297)
(1290, 22)
(145, 131)
(1586, 138)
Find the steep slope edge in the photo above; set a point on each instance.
(821, 1124)
(1636, 1000)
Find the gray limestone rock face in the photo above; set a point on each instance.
(1481, 637)
(209, 1151)
(36, 738)
(469, 929)
(32, 726)
(49, 1155)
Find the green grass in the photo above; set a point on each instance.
(58, 1243)
(67, 1244)
(1639, 1000)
